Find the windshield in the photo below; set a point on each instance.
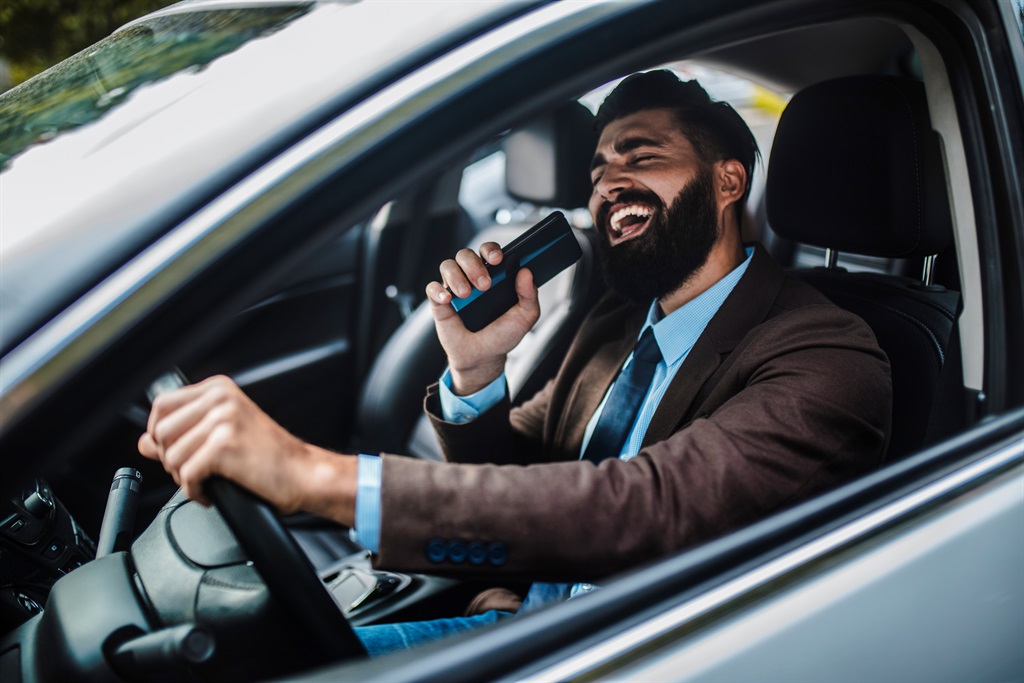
(78, 207)
(95, 81)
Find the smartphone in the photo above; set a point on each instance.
(548, 248)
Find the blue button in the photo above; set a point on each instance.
(497, 554)
(477, 553)
(54, 551)
(437, 550)
(457, 551)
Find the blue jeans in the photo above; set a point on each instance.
(381, 639)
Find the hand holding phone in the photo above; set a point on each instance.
(548, 248)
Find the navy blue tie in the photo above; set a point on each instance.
(625, 400)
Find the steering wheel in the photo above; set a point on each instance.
(288, 573)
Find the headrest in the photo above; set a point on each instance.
(856, 167)
(443, 198)
(548, 160)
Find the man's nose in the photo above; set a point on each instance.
(613, 181)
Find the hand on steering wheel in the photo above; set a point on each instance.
(287, 572)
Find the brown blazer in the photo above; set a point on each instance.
(783, 396)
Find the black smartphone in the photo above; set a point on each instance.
(548, 248)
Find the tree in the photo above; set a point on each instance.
(35, 34)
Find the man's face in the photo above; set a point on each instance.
(653, 205)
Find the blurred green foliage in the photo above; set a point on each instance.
(92, 82)
(35, 34)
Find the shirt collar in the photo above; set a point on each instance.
(677, 333)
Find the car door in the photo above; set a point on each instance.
(294, 352)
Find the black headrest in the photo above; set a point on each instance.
(548, 160)
(856, 167)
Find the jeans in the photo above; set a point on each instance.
(381, 639)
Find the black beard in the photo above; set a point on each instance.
(670, 251)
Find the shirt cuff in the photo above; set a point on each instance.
(462, 409)
(368, 478)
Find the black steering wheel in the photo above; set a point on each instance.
(288, 573)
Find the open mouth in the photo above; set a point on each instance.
(628, 221)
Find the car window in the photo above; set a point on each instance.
(98, 79)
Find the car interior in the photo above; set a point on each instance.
(874, 123)
(852, 196)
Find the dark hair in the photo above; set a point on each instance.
(714, 128)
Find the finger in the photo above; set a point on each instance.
(191, 483)
(438, 295)
(221, 416)
(442, 310)
(525, 288)
(455, 278)
(521, 317)
(166, 403)
(529, 301)
(207, 461)
(168, 429)
(491, 252)
(474, 268)
(148, 447)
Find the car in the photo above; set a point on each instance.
(262, 188)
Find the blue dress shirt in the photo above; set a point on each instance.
(676, 334)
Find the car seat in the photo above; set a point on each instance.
(547, 165)
(402, 246)
(856, 168)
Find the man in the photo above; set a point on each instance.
(706, 391)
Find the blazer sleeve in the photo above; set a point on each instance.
(804, 408)
(501, 435)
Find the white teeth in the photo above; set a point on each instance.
(631, 210)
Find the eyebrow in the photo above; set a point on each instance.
(628, 145)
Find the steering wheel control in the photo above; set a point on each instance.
(119, 516)
(39, 542)
(155, 653)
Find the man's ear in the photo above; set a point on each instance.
(730, 182)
